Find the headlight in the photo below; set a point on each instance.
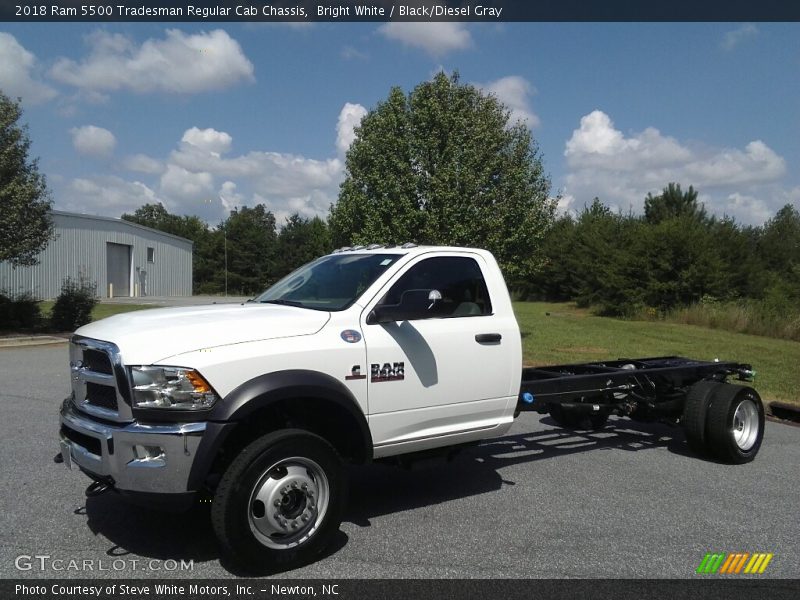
(171, 387)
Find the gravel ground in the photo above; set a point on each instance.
(627, 502)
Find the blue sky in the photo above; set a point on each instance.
(204, 117)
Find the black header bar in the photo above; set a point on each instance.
(407, 10)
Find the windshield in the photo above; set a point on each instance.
(329, 283)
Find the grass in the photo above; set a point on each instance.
(100, 311)
(569, 334)
(755, 317)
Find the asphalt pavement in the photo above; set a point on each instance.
(629, 501)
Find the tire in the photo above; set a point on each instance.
(694, 414)
(570, 419)
(735, 424)
(280, 502)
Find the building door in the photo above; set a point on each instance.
(118, 268)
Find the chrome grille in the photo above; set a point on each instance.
(96, 374)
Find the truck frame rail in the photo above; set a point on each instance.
(651, 379)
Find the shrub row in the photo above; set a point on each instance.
(72, 309)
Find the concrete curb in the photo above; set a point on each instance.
(30, 340)
(784, 411)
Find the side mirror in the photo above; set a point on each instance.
(414, 304)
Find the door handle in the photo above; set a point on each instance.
(488, 338)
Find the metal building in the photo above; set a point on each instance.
(122, 258)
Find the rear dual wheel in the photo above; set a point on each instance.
(724, 420)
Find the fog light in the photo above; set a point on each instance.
(147, 452)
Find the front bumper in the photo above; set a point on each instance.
(134, 458)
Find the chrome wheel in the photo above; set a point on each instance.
(745, 424)
(288, 503)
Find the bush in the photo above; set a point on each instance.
(20, 312)
(74, 305)
(769, 317)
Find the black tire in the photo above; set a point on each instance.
(735, 424)
(571, 419)
(262, 536)
(695, 410)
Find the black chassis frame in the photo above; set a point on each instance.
(639, 387)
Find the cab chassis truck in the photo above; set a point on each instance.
(370, 353)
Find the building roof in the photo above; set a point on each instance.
(123, 221)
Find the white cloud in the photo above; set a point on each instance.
(622, 170)
(18, 73)
(179, 63)
(216, 142)
(351, 53)
(203, 177)
(349, 118)
(105, 195)
(743, 204)
(93, 141)
(229, 196)
(142, 163)
(187, 186)
(515, 92)
(736, 36)
(437, 39)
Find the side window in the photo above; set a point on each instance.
(151, 255)
(459, 279)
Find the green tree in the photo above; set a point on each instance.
(251, 242)
(444, 165)
(25, 224)
(671, 203)
(300, 241)
(779, 248)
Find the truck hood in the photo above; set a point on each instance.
(150, 336)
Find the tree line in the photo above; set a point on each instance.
(246, 252)
(673, 255)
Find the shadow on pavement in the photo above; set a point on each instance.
(375, 490)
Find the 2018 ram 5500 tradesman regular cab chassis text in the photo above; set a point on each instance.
(364, 354)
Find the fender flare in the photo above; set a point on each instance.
(263, 391)
(270, 388)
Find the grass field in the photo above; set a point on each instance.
(568, 334)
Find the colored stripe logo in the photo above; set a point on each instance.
(734, 563)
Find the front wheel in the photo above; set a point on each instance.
(281, 501)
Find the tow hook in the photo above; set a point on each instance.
(96, 488)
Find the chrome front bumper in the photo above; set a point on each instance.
(134, 457)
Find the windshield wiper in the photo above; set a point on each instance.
(283, 302)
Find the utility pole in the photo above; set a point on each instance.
(225, 238)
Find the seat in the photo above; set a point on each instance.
(467, 309)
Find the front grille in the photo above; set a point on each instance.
(96, 371)
(97, 361)
(101, 395)
(83, 440)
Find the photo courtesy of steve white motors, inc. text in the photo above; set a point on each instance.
(171, 589)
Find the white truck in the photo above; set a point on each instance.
(369, 353)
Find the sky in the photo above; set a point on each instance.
(206, 117)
